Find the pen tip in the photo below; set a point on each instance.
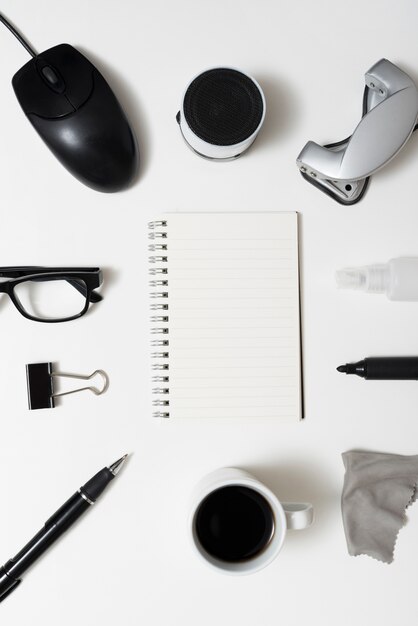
(342, 368)
(117, 465)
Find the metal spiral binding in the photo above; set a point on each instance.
(158, 270)
(158, 249)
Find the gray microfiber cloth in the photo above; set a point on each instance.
(378, 488)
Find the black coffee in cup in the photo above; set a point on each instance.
(234, 523)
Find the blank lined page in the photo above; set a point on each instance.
(229, 285)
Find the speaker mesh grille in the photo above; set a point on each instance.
(223, 107)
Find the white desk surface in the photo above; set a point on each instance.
(129, 561)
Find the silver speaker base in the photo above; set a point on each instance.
(204, 156)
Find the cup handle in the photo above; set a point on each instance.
(299, 515)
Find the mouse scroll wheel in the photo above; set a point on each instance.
(53, 79)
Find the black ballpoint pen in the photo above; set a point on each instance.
(384, 368)
(61, 521)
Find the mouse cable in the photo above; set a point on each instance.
(18, 36)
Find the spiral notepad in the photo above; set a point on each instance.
(225, 319)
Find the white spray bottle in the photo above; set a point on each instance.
(398, 279)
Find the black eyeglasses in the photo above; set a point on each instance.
(51, 294)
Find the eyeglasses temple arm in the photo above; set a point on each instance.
(94, 296)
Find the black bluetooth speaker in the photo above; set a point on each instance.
(221, 113)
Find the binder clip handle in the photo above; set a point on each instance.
(95, 390)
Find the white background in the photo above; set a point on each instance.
(129, 561)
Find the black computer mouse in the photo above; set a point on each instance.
(76, 113)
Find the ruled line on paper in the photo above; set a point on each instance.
(220, 238)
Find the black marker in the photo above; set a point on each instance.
(61, 521)
(384, 368)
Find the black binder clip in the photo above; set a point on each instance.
(40, 381)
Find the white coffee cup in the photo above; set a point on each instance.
(287, 516)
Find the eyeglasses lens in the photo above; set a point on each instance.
(48, 299)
